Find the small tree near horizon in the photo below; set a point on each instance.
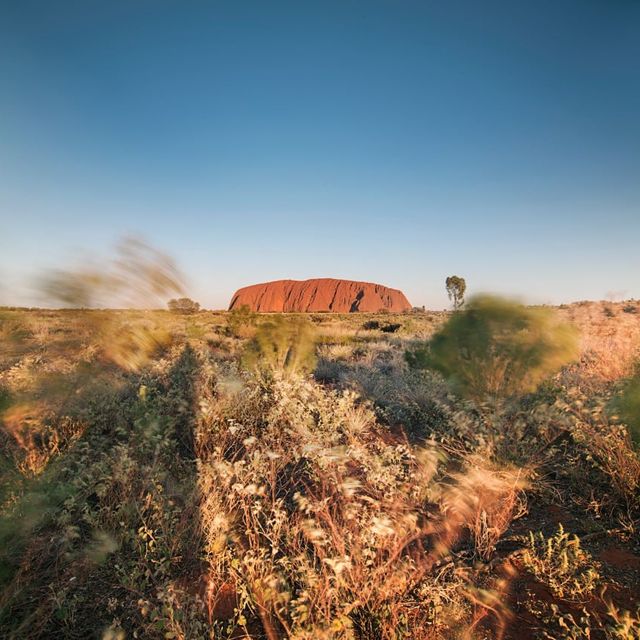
(183, 305)
(456, 286)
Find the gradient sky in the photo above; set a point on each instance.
(389, 141)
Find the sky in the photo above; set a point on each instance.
(393, 141)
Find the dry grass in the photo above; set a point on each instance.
(153, 487)
(609, 341)
(326, 526)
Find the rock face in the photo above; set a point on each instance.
(319, 294)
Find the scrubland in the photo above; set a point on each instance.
(226, 475)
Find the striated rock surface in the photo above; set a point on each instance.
(319, 294)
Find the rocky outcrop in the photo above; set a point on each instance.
(319, 294)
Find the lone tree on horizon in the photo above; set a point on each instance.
(183, 305)
(456, 286)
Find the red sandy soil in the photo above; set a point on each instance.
(319, 294)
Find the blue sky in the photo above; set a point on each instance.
(389, 141)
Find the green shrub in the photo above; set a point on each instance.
(627, 405)
(133, 347)
(497, 348)
(239, 320)
(561, 564)
(286, 345)
(5, 400)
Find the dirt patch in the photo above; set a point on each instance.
(620, 558)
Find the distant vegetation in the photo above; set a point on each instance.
(456, 287)
(184, 306)
(385, 327)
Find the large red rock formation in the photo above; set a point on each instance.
(319, 294)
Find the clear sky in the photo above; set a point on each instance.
(390, 141)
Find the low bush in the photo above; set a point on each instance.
(133, 347)
(497, 348)
(282, 345)
(240, 321)
(561, 564)
(627, 405)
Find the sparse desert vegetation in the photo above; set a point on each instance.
(242, 475)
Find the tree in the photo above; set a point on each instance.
(497, 348)
(456, 286)
(183, 305)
